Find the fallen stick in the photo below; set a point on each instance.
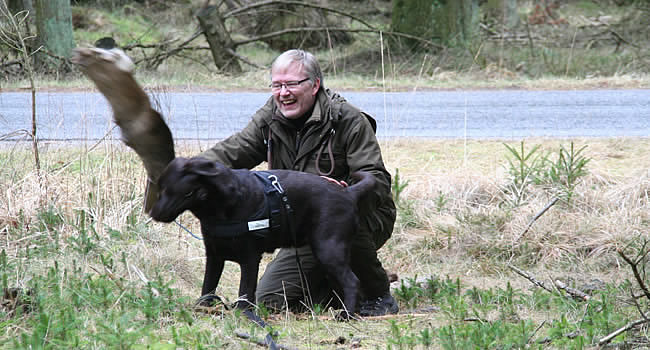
(535, 332)
(395, 316)
(260, 342)
(532, 221)
(144, 279)
(575, 293)
(527, 276)
(625, 328)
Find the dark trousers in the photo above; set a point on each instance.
(280, 284)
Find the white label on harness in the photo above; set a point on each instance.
(258, 224)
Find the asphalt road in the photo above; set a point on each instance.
(448, 114)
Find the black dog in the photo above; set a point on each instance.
(325, 216)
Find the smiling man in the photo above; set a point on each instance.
(305, 127)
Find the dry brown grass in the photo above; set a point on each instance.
(472, 235)
(472, 224)
(478, 232)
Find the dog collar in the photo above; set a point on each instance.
(268, 220)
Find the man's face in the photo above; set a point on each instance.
(293, 101)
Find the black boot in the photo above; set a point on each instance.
(379, 306)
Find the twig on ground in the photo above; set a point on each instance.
(144, 279)
(535, 331)
(575, 293)
(395, 316)
(259, 341)
(527, 276)
(110, 275)
(625, 328)
(557, 285)
(532, 221)
(26, 238)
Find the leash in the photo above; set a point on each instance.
(188, 231)
(288, 215)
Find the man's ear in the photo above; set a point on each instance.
(315, 87)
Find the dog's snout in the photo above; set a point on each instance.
(162, 213)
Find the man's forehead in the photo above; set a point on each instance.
(291, 68)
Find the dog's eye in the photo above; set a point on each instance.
(189, 194)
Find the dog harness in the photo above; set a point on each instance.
(270, 219)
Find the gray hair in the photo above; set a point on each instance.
(304, 58)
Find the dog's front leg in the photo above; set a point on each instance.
(213, 269)
(248, 282)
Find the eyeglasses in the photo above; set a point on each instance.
(290, 85)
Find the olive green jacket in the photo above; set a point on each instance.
(353, 145)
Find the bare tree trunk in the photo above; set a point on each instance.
(505, 11)
(413, 17)
(221, 44)
(54, 28)
(456, 21)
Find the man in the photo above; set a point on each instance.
(306, 127)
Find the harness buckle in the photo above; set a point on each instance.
(276, 183)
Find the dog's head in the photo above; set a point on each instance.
(189, 184)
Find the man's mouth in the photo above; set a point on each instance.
(288, 101)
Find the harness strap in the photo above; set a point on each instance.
(304, 283)
(269, 145)
(267, 221)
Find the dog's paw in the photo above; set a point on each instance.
(97, 57)
(209, 300)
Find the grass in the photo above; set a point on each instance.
(101, 274)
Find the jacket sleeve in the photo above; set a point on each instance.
(363, 154)
(244, 149)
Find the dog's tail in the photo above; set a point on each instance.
(364, 184)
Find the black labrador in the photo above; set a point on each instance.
(325, 216)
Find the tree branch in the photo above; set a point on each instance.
(635, 270)
(297, 3)
(159, 58)
(244, 59)
(316, 29)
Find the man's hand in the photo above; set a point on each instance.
(340, 183)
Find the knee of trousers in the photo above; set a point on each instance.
(280, 283)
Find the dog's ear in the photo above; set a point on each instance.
(201, 166)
